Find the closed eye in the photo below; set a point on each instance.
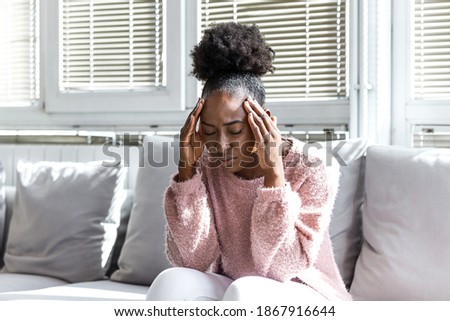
(236, 133)
(208, 134)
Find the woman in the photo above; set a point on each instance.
(247, 216)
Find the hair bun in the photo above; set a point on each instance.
(231, 48)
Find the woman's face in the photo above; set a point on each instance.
(226, 132)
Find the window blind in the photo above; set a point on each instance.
(431, 49)
(19, 58)
(309, 38)
(432, 138)
(112, 45)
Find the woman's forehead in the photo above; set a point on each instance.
(220, 105)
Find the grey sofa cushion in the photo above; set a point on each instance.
(121, 231)
(65, 219)
(143, 255)
(101, 290)
(406, 224)
(346, 225)
(10, 192)
(10, 282)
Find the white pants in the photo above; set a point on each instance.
(183, 284)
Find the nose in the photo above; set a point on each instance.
(222, 144)
(218, 146)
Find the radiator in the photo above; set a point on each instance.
(10, 154)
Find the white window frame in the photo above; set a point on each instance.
(64, 111)
(325, 112)
(167, 99)
(409, 113)
(136, 111)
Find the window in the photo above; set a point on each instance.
(125, 63)
(431, 66)
(432, 137)
(114, 56)
(112, 45)
(421, 66)
(431, 50)
(309, 38)
(19, 53)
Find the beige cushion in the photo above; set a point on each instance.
(65, 219)
(406, 225)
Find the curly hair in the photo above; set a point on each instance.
(231, 48)
(232, 57)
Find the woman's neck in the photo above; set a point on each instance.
(250, 173)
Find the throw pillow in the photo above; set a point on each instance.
(143, 254)
(406, 226)
(346, 225)
(65, 219)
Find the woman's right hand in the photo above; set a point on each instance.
(191, 144)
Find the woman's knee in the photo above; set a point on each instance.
(185, 284)
(247, 288)
(167, 285)
(257, 288)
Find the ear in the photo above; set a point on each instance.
(268, 112)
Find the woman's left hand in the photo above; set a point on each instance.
(268, 143)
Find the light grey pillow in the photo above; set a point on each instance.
(65, 219)
(346, 225)
(143, 254)
(406, 225)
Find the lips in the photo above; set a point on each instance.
(224, 159)
(228, 161)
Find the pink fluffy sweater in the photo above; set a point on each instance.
(219, 222)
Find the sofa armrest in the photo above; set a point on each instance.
(5, 219)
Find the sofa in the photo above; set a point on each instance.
(71, 231)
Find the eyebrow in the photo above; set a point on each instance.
(226, 124)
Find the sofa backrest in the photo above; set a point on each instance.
(345, 228)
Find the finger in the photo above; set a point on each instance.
(259, 121)
(274, 120)
(194, 110)
(260, 112)
(193, 115)
(257, 107)
(266, 122)
(198, 108)
(257, 132)
(197, 113)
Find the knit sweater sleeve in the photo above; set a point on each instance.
(289, 223)
(190, 232)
